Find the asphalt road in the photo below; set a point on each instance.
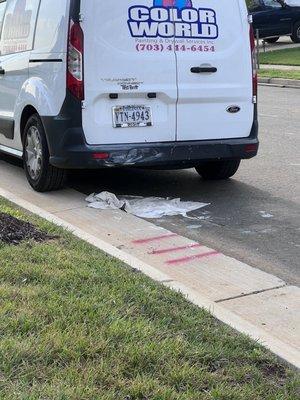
(254, 217)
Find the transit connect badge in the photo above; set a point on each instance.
(172, 18)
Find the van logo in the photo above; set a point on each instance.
(169, 18)
(233, 109)
(172, 3)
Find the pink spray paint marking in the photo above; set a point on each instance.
(187, 259)
(173, 249)
(154, 239)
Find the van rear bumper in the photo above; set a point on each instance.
(68, 148)
(163, 155)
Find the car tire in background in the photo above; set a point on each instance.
(218, 170)
(272, 40)
(296, 33)
(41, 175)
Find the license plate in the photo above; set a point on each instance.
(132, 116)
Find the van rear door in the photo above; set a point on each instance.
(123, 59)
(214, 70)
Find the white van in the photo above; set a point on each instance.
(148, 83)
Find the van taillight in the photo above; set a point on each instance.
(75, 81)
(254, 63)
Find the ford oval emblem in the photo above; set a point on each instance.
(233, 109)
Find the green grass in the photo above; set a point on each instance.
(77, 324)
(281, 57)
(275, 73)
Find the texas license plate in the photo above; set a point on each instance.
(132, 116)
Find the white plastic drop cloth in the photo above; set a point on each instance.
(293, 3)
(148, 207)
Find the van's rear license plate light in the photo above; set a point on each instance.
(132, 116)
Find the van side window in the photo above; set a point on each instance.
(2, 11)
(18, 26)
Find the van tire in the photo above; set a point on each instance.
(296, 33)
(42, 177)
(218, 170)
(272, 40)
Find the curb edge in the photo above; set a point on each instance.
(288, 83)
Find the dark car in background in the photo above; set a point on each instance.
(275, 18)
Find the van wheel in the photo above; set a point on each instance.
(296, 33)
(42, 176)
(218, 170)
(272, 40)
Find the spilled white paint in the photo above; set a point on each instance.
(194, 226)
(265, 214)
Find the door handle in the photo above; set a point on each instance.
(2, 71)
(201, 70)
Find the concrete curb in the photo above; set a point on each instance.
(285, 83)
(278, 347)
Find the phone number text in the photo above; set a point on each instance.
(177, 47)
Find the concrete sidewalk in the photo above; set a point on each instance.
(251, 301)
(280, 67)
(278, 46)
(283, 43)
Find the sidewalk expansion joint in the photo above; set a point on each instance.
(251, 293)
(66, 209)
